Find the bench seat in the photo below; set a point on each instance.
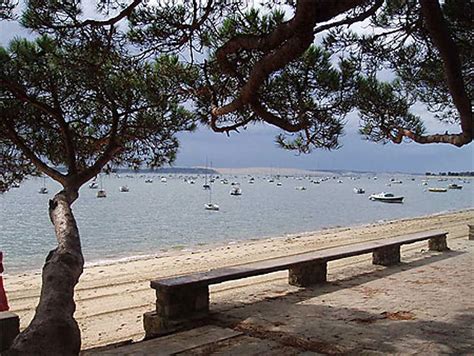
(186, 298)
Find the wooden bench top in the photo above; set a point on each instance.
(219, 275)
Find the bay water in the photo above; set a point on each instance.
(153, 218)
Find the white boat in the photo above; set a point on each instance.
(163, 180)
(300, 188)
(15, 185)
(124, 189)
(279, 184)
(93, 185)
(236, 191)
(210, 206)
(101, 192)
(359, 191)
(43, 190)
(395, 181)
(386, 197)
(437, 190)
(206, 185)
(454, 186)
(148, 180)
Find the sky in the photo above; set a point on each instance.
(255, 147)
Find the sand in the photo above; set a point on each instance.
(112, 298)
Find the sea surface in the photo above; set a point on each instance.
(153, 218)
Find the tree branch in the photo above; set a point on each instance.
(272, 119)
(436, 26)
(111, 150)
(112, 21)
(22, 95)
(455, 139)
(284, 44)
(38, 163)
(66, 132)
(349, 21)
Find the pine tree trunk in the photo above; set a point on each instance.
(53, 330)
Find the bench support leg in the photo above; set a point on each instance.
(9, 329)
(438, 244)
(307, 274)
(175, 309)
(471, 231)
(386, 256)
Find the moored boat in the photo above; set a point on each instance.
(437, 190)
(454, 186)
(93, 185)
(43, 190)
(236, 191)
(386, 197)
(359, 191)
(210, 206)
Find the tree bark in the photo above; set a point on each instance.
(53, 330)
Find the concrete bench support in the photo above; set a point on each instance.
(438, 244)
(471, 232)
(386, 256)
(9, 329)
(307, 274)
(176, 307)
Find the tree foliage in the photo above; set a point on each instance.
(114, 84)
(80, 103)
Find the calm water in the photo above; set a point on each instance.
(153, 218)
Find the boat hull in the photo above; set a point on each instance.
(389, 200)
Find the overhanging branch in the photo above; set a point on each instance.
(436, 26)
(35, 160)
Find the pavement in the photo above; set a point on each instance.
(423, 306)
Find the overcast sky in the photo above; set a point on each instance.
(255, 147)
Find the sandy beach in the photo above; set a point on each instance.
(111, 298)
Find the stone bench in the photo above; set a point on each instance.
(184, 299)
(9, 329)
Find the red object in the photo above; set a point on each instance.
(3, 297)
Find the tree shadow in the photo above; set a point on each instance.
(290, 320)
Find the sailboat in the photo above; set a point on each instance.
(206, 185)
(93, 184)
(211, 205)
(236, 190)
(43, 189)
(101, 192)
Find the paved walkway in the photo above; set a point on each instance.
(423, 306)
